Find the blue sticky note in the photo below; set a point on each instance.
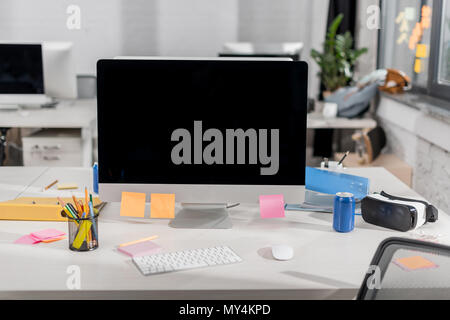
(332, 182)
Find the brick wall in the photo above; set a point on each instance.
(423, 142)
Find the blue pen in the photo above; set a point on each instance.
(95, 174)
(94, 227)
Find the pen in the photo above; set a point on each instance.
(138, 241)
(66, 209)
(343, 158)
(94, 227)
(73, 210)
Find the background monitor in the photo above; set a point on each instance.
(21, 72)
(142, 103)
(291, 50)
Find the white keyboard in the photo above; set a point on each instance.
(188, 259)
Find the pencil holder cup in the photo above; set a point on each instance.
(83, 233)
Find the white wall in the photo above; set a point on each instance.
(45, 20)
(195, 27)
(283, 21)
(166, 27)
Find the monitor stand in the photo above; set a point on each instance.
(10, 106)
(202, 216)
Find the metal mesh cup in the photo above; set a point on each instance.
(83, 233)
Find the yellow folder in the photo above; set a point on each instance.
(35, 209)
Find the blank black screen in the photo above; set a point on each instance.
(21, 70)
(141, 102)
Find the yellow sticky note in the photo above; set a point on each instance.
(162, 206)
(67, 186)
(418, 66)
(133, 204)
(421, 51)
(415, 263)
(82, 233)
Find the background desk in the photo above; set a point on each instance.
(318, 121)
(75, 114)
(326, 264)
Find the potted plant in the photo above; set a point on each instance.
(338, 58)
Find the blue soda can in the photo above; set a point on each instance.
(344, 212)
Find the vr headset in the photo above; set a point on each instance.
(402, 214)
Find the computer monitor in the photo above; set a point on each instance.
(21, 74)
(59, 70)
(247, 49)
(208, 131)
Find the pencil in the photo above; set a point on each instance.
(61, 202)
(51, 185)
(77, 205)
(80, 202)
(138, 241)
(86, 196)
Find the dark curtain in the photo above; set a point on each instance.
(348, 8)
(323, 138)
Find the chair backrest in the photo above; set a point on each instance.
(407, 269)
(373, 140)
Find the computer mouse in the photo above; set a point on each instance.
(282, 252)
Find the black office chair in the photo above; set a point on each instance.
(406, 269)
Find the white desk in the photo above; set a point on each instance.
(318, 121)
(75, 114)
(326, 264)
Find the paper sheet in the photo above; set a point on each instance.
(162, 206)
(28, 239)
(133, 204)
(47, 234)
(271, 206)
(140, 249)
(422, 51)
(415, 263)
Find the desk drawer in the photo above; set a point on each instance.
(53, 148)
(51, 145)
(54, 159)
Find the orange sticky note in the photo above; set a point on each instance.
(415, 263)
(162, 206)
(53, 240)
(133, 204)
(421, 51)
(418, 66)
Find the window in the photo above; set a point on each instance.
(415, 38)
(444, 54)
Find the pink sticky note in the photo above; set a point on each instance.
(140, 249)
(271, 206)
(47, 234)
(26, 240)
